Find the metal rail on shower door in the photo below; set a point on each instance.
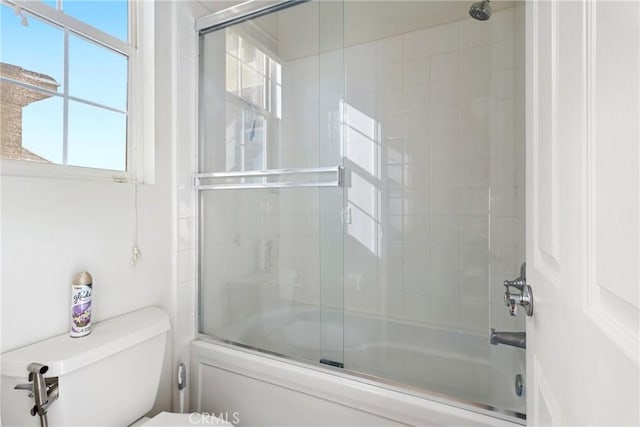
(338, 181)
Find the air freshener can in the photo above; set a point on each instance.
(81, 288)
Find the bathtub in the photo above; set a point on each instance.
(390, 377)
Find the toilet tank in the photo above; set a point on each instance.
(107, 378)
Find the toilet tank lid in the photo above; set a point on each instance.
(64, 354)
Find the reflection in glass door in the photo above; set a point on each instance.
(270, 185)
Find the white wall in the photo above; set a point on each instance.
(54, 228)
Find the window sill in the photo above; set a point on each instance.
(27, 169)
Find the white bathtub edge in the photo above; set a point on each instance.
(335, 388)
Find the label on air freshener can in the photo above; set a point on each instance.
(80, 310)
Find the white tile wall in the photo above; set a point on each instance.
(450, 181)
(182, 56)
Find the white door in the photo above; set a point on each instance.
(583, 192)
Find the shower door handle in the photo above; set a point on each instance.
(235, 180)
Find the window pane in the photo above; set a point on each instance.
(253, 56)
(37, 48)
(97, 74)
(232, 74)
(232, 42)
(31, 125)
(252, 86)
(246, 136)
(109, 16)
(97, 137)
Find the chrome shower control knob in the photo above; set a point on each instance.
(524, 298)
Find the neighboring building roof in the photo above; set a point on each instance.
(12, 99)
(22, 75)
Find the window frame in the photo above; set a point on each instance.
(140, 93)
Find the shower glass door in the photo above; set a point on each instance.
(362, 191)
(434, 151)
(270, 183)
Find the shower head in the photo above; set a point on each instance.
(480, 10)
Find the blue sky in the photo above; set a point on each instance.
(96, 136)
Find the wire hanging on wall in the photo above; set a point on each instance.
(135, 251)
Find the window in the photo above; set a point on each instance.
(254, 92)
(66, 68)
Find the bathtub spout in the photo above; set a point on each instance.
(515, 339)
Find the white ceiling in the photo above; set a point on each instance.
(369, 20)
(217, 5)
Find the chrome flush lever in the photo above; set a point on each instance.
(524, 298)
